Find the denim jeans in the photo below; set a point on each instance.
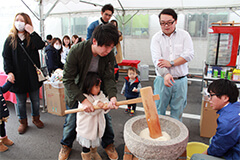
(204, 157)
(21, 104)
(69, 129)
(108, 135)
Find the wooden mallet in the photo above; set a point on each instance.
(147, 98)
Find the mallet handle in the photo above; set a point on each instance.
(135, 100)
(130, 101)
(78, 110)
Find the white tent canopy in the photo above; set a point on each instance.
(58, 7)
(92, 7)
(47, 10)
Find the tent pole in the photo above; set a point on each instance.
(41, 21)
(123, 30)
(30, 10)
(234, 11)
(42, 33)
(122, 22)
(50, 10)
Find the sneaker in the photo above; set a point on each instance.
(127, 110)
(132, 113)
(111, 152)
(64, 152)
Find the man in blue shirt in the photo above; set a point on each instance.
(106, 12)
(226, 142)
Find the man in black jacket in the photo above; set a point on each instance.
(94, 55)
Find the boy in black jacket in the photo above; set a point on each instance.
(131, 88)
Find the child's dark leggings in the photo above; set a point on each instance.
(131, 105)
(2, 129)
(85, 149)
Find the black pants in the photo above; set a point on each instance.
(133, 106)
(85, 149)
(2, 129)
(117, 74)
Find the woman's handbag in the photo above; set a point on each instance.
(42, 73)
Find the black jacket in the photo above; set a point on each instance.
(76, 69)
(53, 59)
(4, 113)
(17, 62)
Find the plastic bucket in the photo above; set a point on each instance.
(195, 147)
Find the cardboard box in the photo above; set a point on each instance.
(208, 120)
(54, 95)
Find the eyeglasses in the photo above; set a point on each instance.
(110, 15)
(167, 23)
(211, 95)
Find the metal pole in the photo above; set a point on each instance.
(30, 10)
(41, 20)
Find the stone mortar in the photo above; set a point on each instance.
(145, 149)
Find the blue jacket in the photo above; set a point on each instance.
(128, 93)
(91, 28)
(226, 142)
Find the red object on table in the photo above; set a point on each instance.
(10, 96)
(132, 63)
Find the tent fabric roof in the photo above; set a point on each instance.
(86, 6)
(141, 4)
(93, 7)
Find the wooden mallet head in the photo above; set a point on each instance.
(151, 112)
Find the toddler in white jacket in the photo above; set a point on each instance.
(91, 125)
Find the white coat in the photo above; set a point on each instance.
(92, 125)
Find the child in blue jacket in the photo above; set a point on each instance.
(131, 88)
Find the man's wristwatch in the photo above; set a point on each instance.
(172, 63)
